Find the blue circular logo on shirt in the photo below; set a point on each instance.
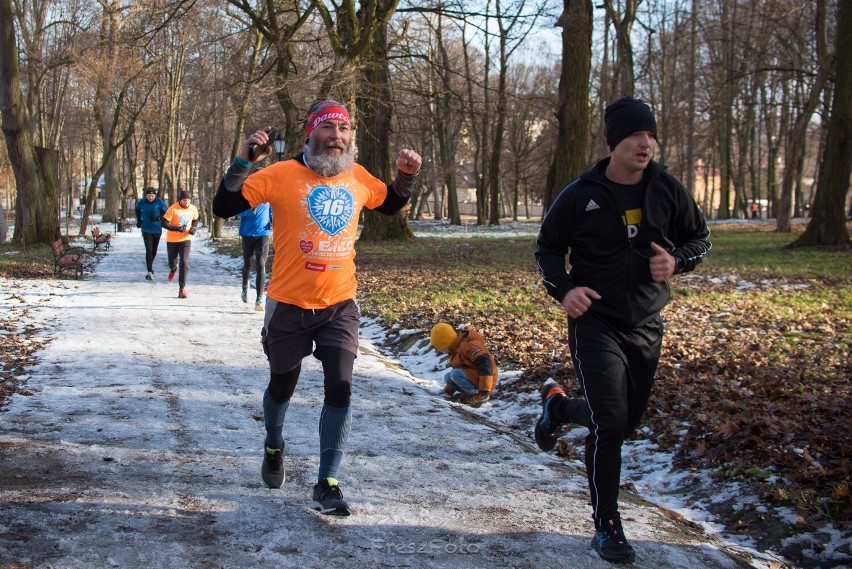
(331, 208)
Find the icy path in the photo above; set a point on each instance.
(140, 446)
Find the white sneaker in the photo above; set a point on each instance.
(149, 276)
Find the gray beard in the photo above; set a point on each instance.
(321, 161)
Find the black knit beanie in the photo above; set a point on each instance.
(625, 117)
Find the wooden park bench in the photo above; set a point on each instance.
(67, 258)
(99, 238)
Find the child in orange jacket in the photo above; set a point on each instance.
(474, 371)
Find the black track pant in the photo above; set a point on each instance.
(180, 249)
(152, 241)
(616, 369)
(257, 248)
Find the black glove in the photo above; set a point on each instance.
(182, 228)
(169, 226)
(139, 223)
(192, 231)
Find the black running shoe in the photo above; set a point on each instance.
(546, 428)
(610, 543)
(328, 494)
(272, 469)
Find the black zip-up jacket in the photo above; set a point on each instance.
(585, 219)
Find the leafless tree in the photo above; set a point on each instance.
(37, 212)
(623, 16)
(797, 140)
(572, 111)
(828, 226)
(526, 132)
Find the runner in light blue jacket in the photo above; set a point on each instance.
(255, 229)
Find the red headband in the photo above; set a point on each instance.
(325, 111)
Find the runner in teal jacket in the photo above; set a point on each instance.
(149, 210)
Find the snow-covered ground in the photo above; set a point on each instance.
(139, 444)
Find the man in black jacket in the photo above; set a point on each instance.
(629, 225)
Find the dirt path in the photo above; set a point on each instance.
(140, 445)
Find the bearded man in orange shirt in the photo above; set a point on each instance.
(316, 200)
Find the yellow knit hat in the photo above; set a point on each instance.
(442, 336)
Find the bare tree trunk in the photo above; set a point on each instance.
(745, 143)
(624, 73)
(572, 113)
(438, 125)
(373, 132)
(484, 150)
(278, 26)
(689, 173)
(499, 129)
(725, 116)
(447, 130)
(37, 212)
(775, 126)
(797, 141)
(828, 226)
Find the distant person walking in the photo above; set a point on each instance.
(629, 225)
(181, 220)
(255, 229)
(755, 210)
(149, 212)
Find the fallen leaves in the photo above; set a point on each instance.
(18, 346)
(759, 372)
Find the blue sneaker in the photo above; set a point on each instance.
(244, 295)
(546, 429)
(610, 543)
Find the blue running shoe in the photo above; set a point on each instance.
(546, 428)
(610, 543)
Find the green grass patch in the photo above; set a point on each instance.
(230, 246)
(473, 272)
(35, 262)
(756, 251)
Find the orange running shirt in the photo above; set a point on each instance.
(314, 224)
(177, 215)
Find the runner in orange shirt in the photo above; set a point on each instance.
(181, 219)
(316, 200)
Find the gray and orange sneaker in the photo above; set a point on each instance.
(546, 428)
